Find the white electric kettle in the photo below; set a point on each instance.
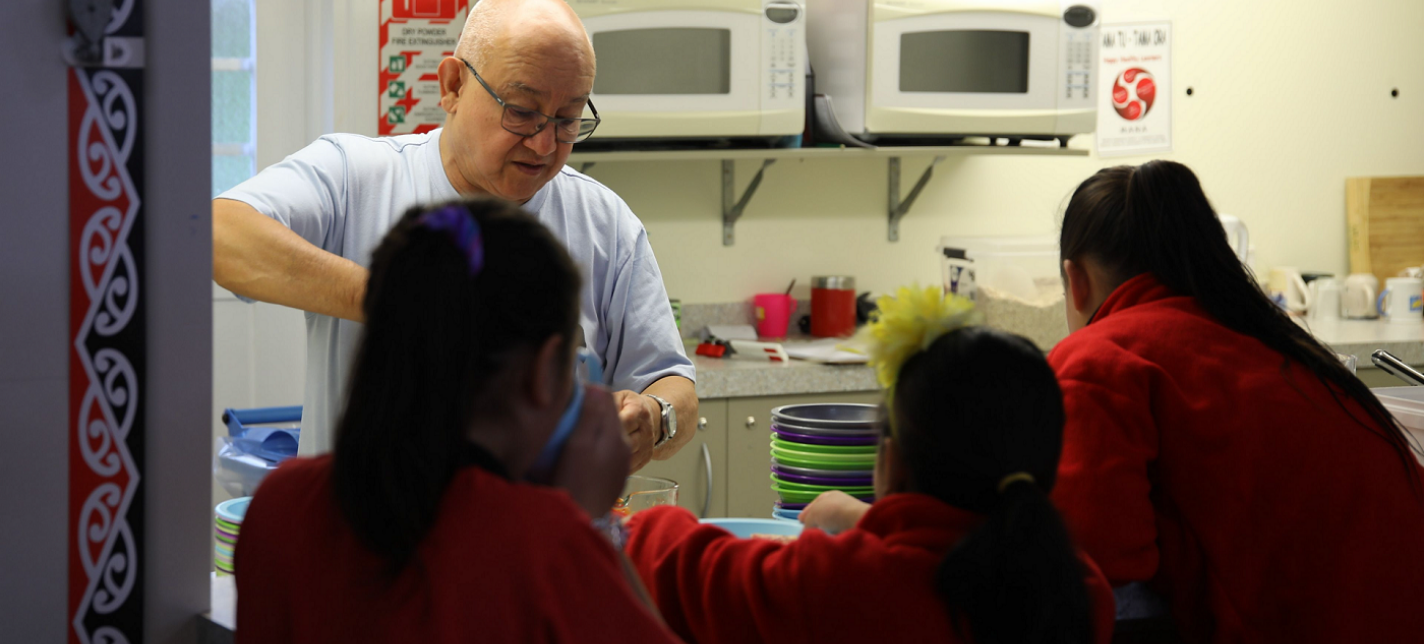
(1286, 281)
(1237, 236)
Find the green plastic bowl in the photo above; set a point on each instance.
(823, 449)
(784, 486)
(789, 496)
(860, 461)
(817, 464)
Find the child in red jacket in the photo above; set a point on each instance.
(423, 525)
(963, 543)
(1214, 449)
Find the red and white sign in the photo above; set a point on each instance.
(415, 36)
(1135, 103)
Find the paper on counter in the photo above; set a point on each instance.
(828, 351)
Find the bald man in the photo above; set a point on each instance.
(516, 96)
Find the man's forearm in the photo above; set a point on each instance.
(683, 395)
(257, 257)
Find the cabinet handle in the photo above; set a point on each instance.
(751, 422)
(701, 423)
(707, 460)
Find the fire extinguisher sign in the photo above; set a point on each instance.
(415, 36)
(1135, 97)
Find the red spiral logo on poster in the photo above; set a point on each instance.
(1133, 92)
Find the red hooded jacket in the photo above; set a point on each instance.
(873, 583)
(1196, 459)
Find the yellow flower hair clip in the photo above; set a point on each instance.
(908, 323)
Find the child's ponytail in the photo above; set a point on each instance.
(977, 418)
(1016, 578)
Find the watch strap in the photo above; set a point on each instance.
(668, 422)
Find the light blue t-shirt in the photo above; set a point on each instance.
(344, 192)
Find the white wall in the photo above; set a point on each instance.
(1290, 98)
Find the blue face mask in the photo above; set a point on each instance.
(549, 456)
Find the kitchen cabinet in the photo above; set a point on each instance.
(748, 460)
(700, 486)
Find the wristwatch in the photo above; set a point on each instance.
(669, 421)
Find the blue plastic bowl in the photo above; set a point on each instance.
(233, 510)
(745, 528)
(786, 515)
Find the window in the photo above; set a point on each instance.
(234, 93)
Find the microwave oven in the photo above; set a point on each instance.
(949, 68)
(695, 69)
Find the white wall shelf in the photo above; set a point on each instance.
(733, 206)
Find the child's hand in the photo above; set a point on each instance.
(834, 512)
(594, 463)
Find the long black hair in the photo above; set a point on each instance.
(1155, 218)
(440, 330)
(974, 408)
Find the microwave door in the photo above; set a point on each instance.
(964, 73)
(677, 73)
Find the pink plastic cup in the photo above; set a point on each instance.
(773, 314)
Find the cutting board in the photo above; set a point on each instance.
(1385, 216)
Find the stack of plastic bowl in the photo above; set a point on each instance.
(820, 447)
(228, 521)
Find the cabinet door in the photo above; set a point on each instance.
(689, 467)
(749, 447)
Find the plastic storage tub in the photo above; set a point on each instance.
(1025, 266)
(1407, 406)
(1016, 283)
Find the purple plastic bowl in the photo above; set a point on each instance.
(821, 480)
(793, 437)
(777, 466)
(790, 506)
(826, 433)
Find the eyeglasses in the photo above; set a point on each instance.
(526, 122)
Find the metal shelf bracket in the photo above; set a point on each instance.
(897, 208)
(732, 207)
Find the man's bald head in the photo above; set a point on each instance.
(514, 25)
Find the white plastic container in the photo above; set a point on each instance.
(1407, 406)
(1023, 266)
(1014, 281)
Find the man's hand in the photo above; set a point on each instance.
(594, 463)
(834, 512)
(642, 423)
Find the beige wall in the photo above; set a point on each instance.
(1290, 98)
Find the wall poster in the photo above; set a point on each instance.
(1135, 95)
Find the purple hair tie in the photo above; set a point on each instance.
(462, 228)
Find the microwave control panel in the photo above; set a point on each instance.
(1078, 49)
(783, 56)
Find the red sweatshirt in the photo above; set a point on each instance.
(874, 583)
(505, 562)
(1196, 459)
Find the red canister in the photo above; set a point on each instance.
(832, 306)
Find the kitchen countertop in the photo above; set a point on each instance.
(736, 378)
(1362, 337)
